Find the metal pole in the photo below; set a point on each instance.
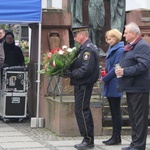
(38, 79)
(9, 27)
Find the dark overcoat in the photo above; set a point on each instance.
(136, 64)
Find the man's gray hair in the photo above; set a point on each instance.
(133, 27)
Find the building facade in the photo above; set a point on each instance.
(130, 5)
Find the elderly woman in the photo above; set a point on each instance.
(116, 47)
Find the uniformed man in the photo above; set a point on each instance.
(84, 73)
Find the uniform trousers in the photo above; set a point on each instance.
(138, 105)
(83, 113)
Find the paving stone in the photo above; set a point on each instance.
(5, 134)
(21, 145)
(2, 124)
(8, 128)
(15, 139)
(64, 143)
(20, 136)
(33, 148)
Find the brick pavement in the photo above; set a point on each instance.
(20, 136)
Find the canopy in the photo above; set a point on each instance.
(20, 11)
(24, 12)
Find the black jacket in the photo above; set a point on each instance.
(85, 69)
(13, 55)
(136, 64)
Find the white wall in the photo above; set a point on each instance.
(53, 3)
(44, 3)
(57, 3)
(135, 4)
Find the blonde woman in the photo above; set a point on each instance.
(116, 47)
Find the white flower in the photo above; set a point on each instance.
(61, 52)
(69, 50)
(74, 48)
(64, 47)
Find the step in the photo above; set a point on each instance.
(126, 130)
(122, 106)
(124, 117)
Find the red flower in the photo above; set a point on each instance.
(57, 60)
(48, 56)
(53, 51)
(103, 72)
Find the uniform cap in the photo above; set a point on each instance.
(76, 30)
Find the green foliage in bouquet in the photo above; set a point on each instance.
(58, 60)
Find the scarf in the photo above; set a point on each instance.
(129, 46)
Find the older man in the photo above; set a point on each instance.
(135, 81)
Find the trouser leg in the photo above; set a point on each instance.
(138, 113)
(114, 104)
(83, 112)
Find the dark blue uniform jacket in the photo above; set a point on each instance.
(85, 69)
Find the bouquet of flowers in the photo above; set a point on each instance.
(24, 45)
(58, 60)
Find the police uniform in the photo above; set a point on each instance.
(84, 73)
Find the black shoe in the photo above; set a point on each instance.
(115, 140)
(128, 148)
(106, 140)
(84, 145)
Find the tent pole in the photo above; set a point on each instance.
(38, 79)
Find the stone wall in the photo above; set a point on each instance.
(60, 117)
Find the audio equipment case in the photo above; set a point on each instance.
(13, 105)
(15, 80)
